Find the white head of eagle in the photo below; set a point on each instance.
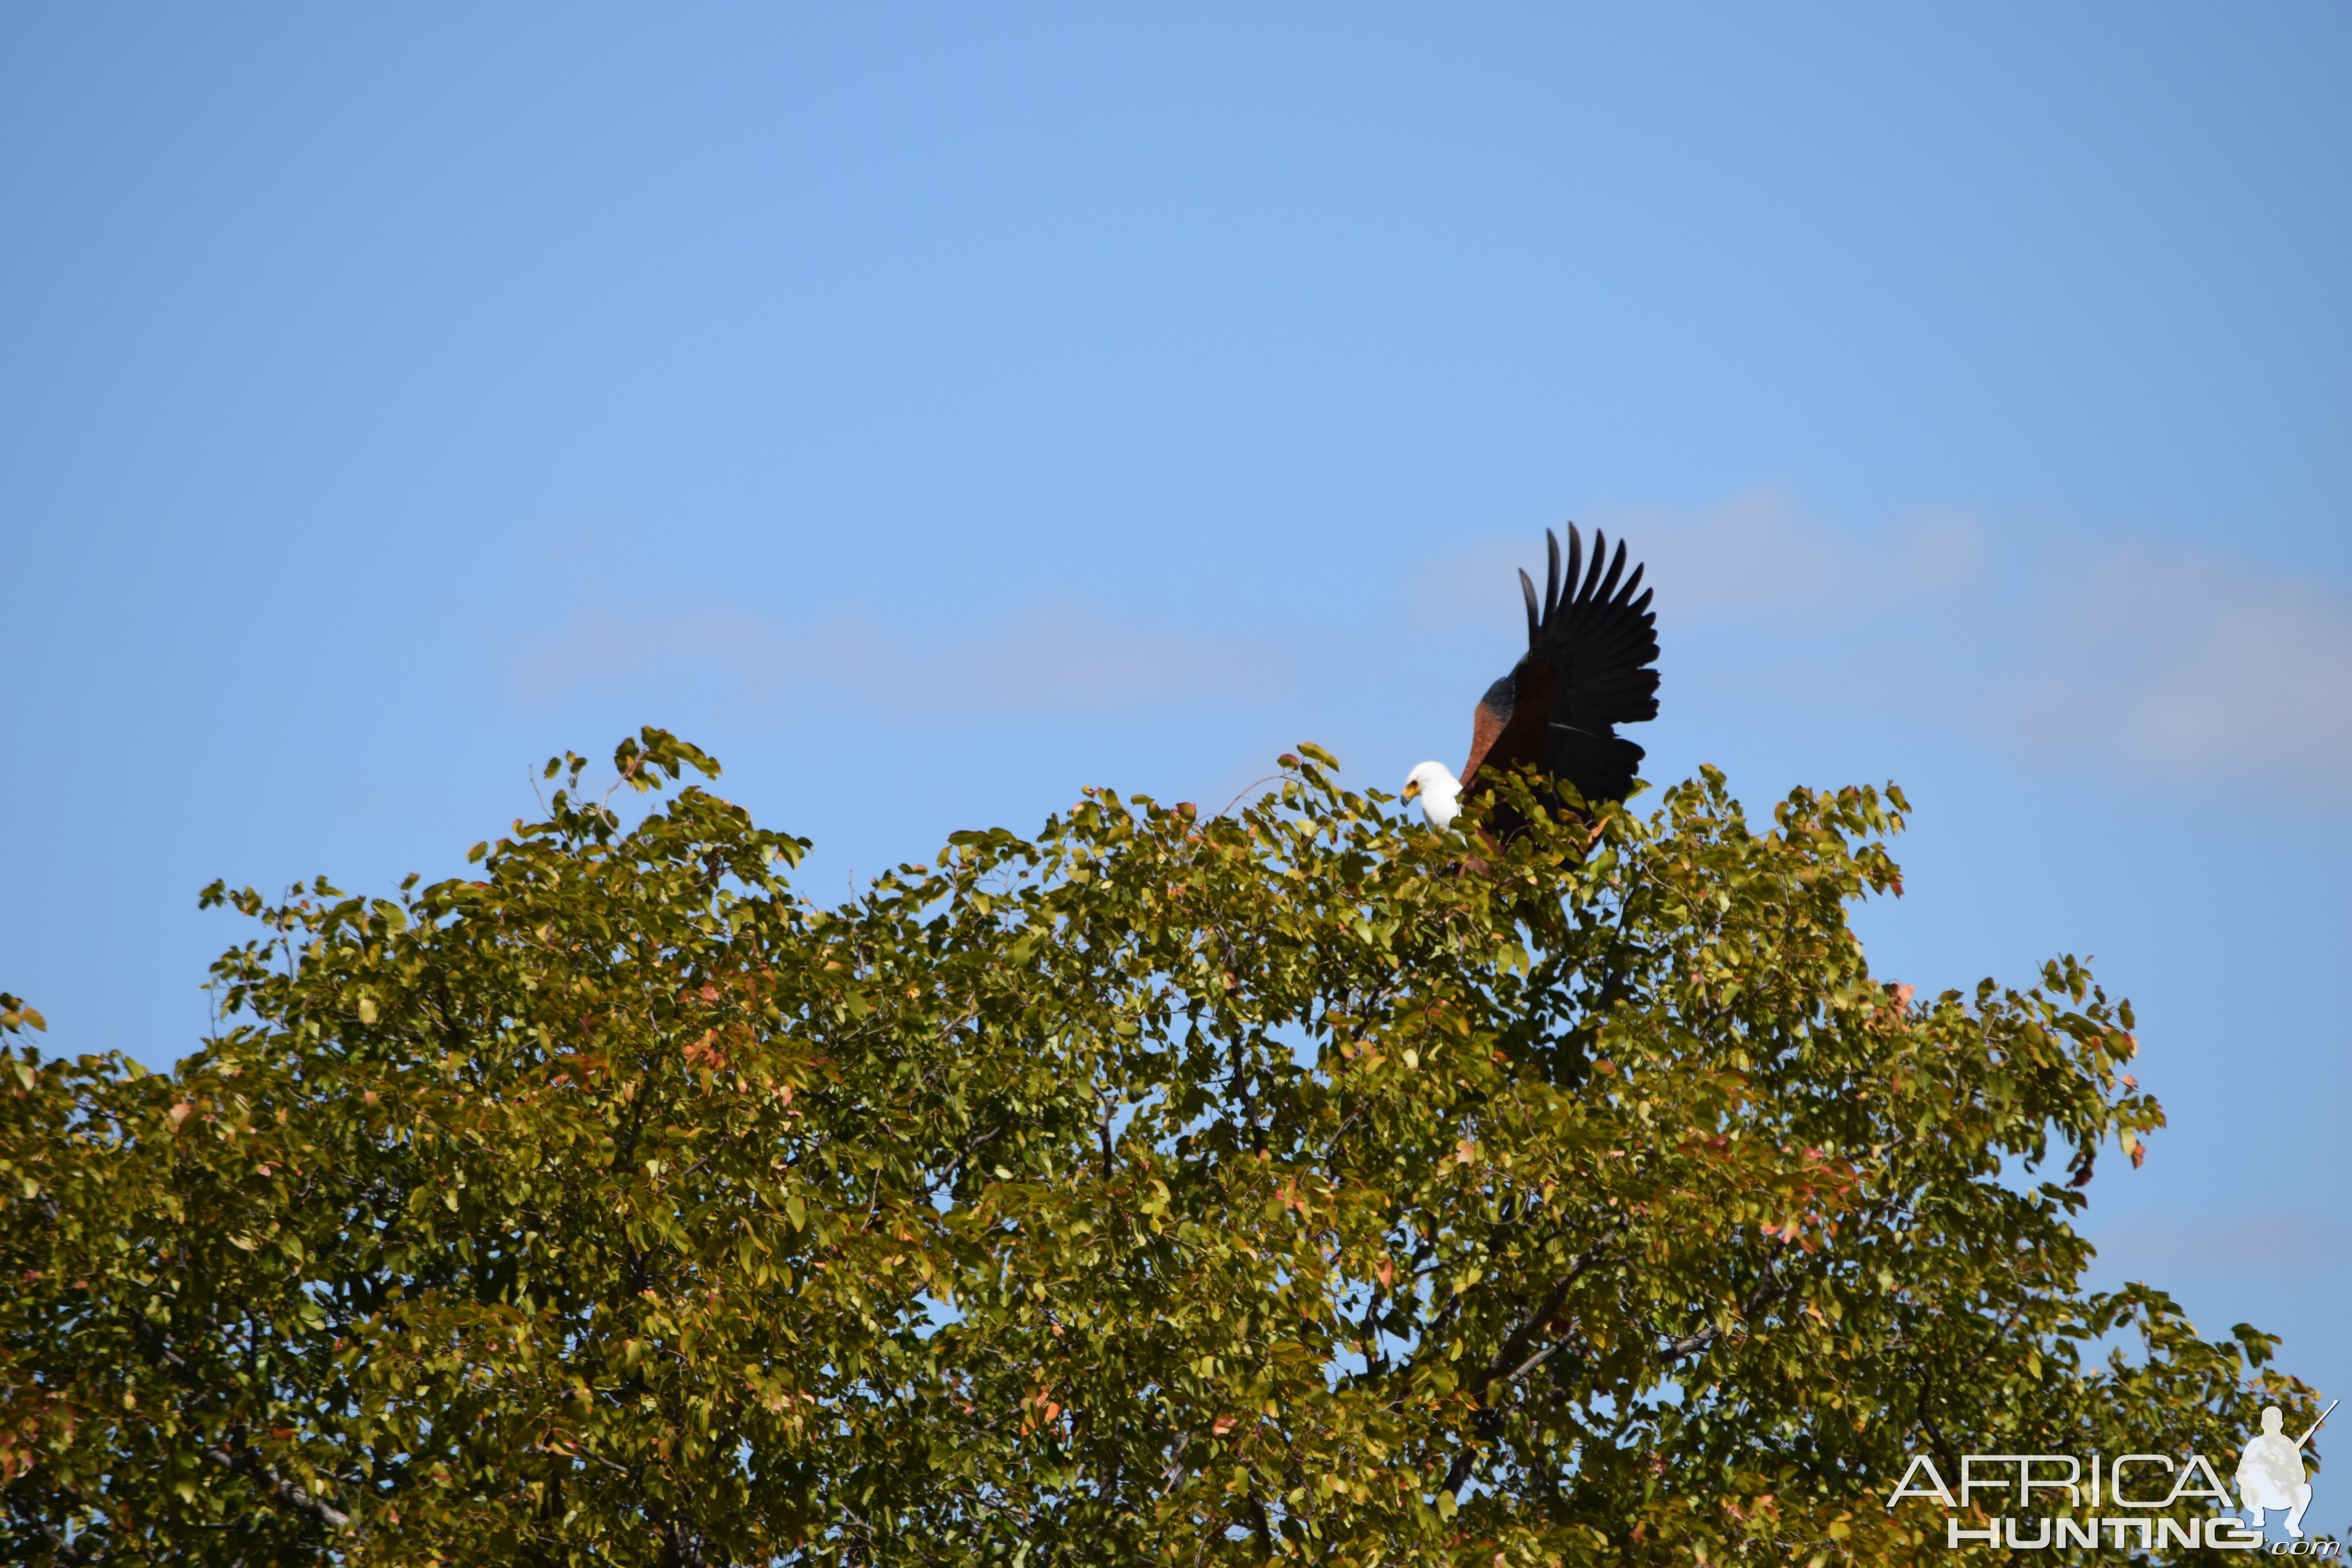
(1586, 670)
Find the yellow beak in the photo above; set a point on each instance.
(1411, 788)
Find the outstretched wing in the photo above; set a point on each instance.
(1591, 645)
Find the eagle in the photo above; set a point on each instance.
(1586, 670)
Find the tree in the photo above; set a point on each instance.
(1295, 1183)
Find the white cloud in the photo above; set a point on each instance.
(1758, 557)
(1754, 558)
(2199, 668)
(604, 645)
(2140, 658)
(2139, 661)
(2285, 1241)
(1059, 654)
(1062, 655)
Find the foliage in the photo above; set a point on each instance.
(1295, 1183)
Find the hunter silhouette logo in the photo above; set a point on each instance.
(2270, 1472)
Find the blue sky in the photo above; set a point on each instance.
(934, 410)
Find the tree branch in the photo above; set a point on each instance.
(276, 1486)
(72, 1553)
(284, 1491)
(1515, 1350)
(1771, 1291)
(948, 1177)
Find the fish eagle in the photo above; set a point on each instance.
(1586, 670)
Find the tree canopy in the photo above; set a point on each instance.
(1292, 1183)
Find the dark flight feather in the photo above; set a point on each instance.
(1586, 670)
